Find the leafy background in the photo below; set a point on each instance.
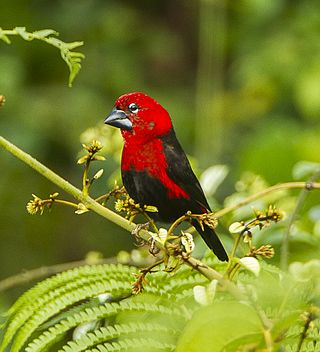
(240, 79)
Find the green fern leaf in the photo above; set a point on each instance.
(134, 345)
(53, 301)
(111, 332)
(55, 306)
(105, 311)
(60, 280)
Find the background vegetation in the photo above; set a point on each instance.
(240, 79)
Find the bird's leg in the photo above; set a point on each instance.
(136, 233)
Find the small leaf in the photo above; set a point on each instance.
(43, 33)
(4, 37)
(23, 33)
(200, 295)
(150, 209)
(212, 178)
(81, 209)
(54, 195)
(98, 174)
(82, 160)
(74, 45)
(162, 235)
(251, 264)
(99, 157)
(236, 227)
(204, 295)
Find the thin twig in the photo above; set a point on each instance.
(45, 271)
(308, 320)
(285, 240)
(67, 186)
(264, 192)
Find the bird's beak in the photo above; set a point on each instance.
(118, 118)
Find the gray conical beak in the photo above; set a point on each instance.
(118, 118)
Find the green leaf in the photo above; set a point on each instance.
(23, 33)
(252, 264)
(214, 328)
(212, 178)
(74, 45)
(43, 33)
(236, 227)
(4, 37)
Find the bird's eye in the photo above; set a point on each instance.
(133, 107)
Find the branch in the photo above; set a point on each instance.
(212, 274)
(39, 273)
(66, 186)
(287, 185)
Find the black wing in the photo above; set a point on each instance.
(180, 171)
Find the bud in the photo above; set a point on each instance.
(2, 100)
(81, 209)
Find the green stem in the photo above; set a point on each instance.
(284, 258)
(67, 186)
(45, 271)
(175, 224)
(151, 222)
(65, 202)
(232, 255)
(212, 274)
(287, 185)
(85, 179)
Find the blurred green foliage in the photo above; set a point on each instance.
(261, 107)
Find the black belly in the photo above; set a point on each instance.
(147, 190)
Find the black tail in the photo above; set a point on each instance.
(212, 241)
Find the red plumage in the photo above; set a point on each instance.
(155, 169)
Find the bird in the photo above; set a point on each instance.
(154, 167)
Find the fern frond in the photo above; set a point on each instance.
(29, 318)
(104, 334)
(69, 280)
(58, 304)
(44, 314)
(181, 281)
(102, 271)
(104, 311)
(134, 345)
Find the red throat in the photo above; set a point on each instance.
(149, 157)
